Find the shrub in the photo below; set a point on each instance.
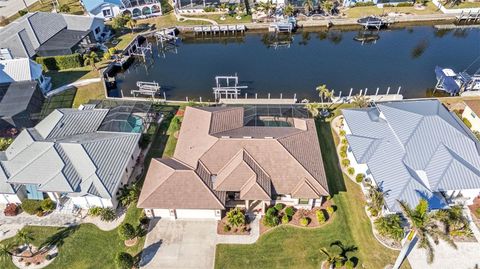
(209, 9)
(94, 211)
(390, 226)
(60, 62)
(304, 221)
(344, 148)
(47, 205)
(126, 231)
(279, 207)
(11, 210)
(343, 154)
(338, 264)
(285, 219)
(5, 142)
(235, 217)
(405, 4)
(364, 4)
(477, 212)
(467, 123)
(270, 220)
(144, 141)
(349, 265)
(342, 133)
(289, 211)
(344, 141)
(345, 162)
(373, 211)
(359, 178)
(320, 216)
(351, 171)
(124, 260)
(22, 12)
(107, 214)
(227, 228)
(330, 210)
(271, 211)
(4, 21)
(32, 207)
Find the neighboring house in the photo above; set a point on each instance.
(108, 9)
(221, 161)
(77, 157)
(20, 105)
(380, 3)
(472, 113)
(23, 69)
(197, 6)
(50, 34)
(414, 150)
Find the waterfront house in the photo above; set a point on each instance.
(108, 9)
(226, 157)
(77, 157)
(50, 34)
(472, 113)
(198, 6)
(23, 69)
(20, 106)
(414, 150)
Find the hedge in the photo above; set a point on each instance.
(60, 62)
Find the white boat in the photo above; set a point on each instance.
(455, 83)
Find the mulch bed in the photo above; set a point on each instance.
(299, 213)
(234, 230)
(131, 242)
(38, 258)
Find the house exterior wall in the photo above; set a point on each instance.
(295, 202)
(9, 198)
(184, 213)
(465, 196)
(473, 118)
(86, 202)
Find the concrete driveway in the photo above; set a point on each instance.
(10, 7)
(180, 244)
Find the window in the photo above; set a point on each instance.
(97, 30)
(303, 201)
(107, 13)
(473, 115)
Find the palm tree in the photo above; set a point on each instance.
(90, 59)
(377, 200)
(454, 221)
(308, 6)
(390, 226)
(64, 8)
(324, 92)
(360, 101)
(235, 217)
(268, 6)
(6, 251)
(327, 6)
(313, 109)
(129, 195)
(425, 226)
(344, 250)
(332, 259)
(26, 237)
(288, 10)
(130, 22)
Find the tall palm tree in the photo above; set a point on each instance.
(423, 223)
(332, 258)
(344, 250)
(129, 195)
(288, 10)
(454, 221)
(324, 93)
(308, 6)
(130, 22)
(268, 6)
(25, 237)
(90, 59)
(377, 200)
(327, 6)
(312, 108)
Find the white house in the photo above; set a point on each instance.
(414, 150)
(74, 156)
(23, 69)
(108, 9)
(471, 113)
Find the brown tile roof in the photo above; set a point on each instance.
(474, 106)
(288, 162)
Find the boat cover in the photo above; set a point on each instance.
(448, 82)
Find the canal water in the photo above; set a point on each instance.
(403, 57)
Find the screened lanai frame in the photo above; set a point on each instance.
(282, 114)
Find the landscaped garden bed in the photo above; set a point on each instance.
(30, 256)
(234, 223)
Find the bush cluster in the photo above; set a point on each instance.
(304, 221)
(359, 178)
(289, 211)
(364, 4)
(60, 62)
(47, 205)
(467, 123)
(405, 4)
(124, 260)
(126, 231)
(32, 207)
(11, 210)
(320, 216)
(105, 214)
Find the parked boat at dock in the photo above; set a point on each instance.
(456, 83)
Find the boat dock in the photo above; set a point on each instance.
(259, 101)
(375, 22)
(468, 16)
(219, 29)
(454, 26)
(372, 98)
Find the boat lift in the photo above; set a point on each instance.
(146, 88)
(227, 87)
(374, 22)
(166, 37)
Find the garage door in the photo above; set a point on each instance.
(195, 214)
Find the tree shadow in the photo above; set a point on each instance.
(333, 171)
(58, 238)
(147, 254)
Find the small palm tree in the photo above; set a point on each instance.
(324, 93)
(130, 22)
(25, 237)
(360, 101)
(377, 200)
(312, 108)
(454, 221)
(6, 251)
(326, 6)
(332, 259)
(288, 10)
(344, 250)
(308, 6)
(235, 217)
(90, 59)
(423, 223)
(129, 195)
(64, 8)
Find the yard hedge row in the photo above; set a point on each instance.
(60, 62)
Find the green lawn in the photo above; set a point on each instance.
(291, 247)
(66, 76)
(89, 92)
(47, 6)
(358, 12)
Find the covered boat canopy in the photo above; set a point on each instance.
(447, 80)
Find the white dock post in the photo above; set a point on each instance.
(361, 91)
(201, 99)
(186, 98)
(366, 89)
(268, 95)
(388, 90)
(350, 94)
(294, 97)
(256, 95)
(245, 95)
(164, 96)
(376, 93)
(399, 88)
(281, 95)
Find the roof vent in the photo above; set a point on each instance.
(248, 137)
(268, 137)
(225, 136)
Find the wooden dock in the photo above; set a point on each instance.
(259, 101)
(468, 16)
(215, 29)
